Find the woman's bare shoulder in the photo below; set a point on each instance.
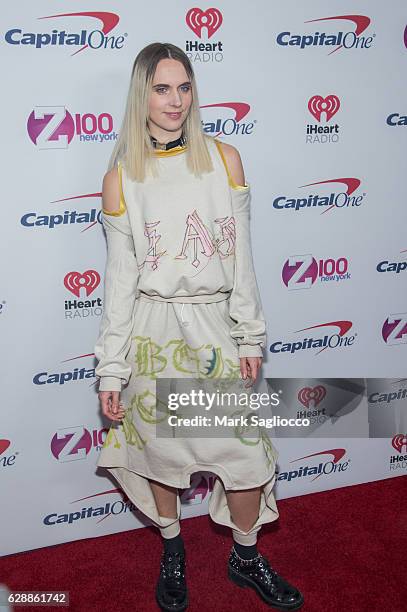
(234, 162)
(111, 191)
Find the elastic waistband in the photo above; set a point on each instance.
(187, 299)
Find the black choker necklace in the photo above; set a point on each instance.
(179, 142)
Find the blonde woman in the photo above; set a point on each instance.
(181, 301)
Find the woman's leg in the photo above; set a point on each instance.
(244, 509)
(171, 588)
(166, 502)
(165, 498)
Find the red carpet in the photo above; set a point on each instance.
(344, 549)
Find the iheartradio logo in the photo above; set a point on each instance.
(323, 109)
(198, 22)
(314, 395)
(197, 19)
(88, 280)
(399, 443)
(329, 105)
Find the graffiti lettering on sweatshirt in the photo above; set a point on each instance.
(199, 243)
(152, 256)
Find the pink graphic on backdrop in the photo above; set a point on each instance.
(75, 281)
(291, 266)
(4, 444)
(39, 119)
(200, 487)
(399, 442)
(351, 183)
(394, 330)
(306, 395)
(318, 105)
(241, 109)
(80, 448)
(197, 19)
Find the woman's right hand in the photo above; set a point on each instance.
(112, 408)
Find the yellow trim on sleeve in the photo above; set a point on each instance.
(231, 181)
(122, 206)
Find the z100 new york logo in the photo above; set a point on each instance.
(303, 271)
(74, 443)
(54, 127)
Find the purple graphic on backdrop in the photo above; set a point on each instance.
(53, 127)
(394, 330)
(73, 443)
(50, 124)
(299, 271)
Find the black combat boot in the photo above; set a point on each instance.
(171, 591)
(258, 574)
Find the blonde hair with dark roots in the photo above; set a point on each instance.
(133, 147)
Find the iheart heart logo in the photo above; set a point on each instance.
(318, 105)
(311, 394)
(4, 444)
(211, 19)
(75, 281)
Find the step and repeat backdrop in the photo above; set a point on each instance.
(313, 95)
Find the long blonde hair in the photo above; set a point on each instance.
(133, 146)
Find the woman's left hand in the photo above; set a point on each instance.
(250, 368)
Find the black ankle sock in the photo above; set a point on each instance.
(246, 552)
(174, 544)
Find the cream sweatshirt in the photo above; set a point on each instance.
(181, 238)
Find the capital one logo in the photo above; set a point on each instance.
(350, 39)
(329, 340)
(75, 281)
(316, 394)
(93, 39)
(399, 443)
(90, 217)
(197, 19)
(74, 443)
(329, 105)
(394, 330)
(217, 119)
(334, 465)
(9, 459)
